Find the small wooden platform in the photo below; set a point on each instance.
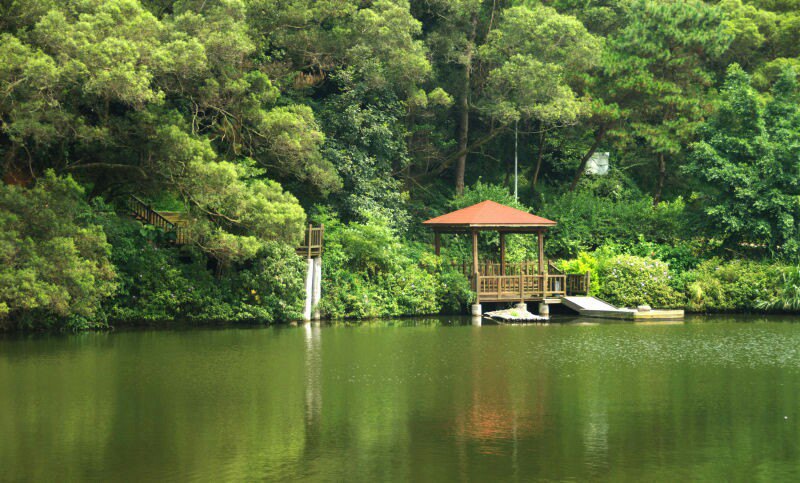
(593, 307)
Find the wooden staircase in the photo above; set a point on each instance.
(167, 221)
(174, 221)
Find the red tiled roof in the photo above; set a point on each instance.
(489, 213)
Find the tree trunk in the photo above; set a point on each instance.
(598, 137)
(662, 174)
(463, 127)
(539, 154)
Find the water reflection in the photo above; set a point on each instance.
(418, 400)
(313, 365)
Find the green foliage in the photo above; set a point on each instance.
(55, 269)
(367, 145)
(234, 213)
(370, 273)
(531, 56)
(243, 114)
(629, 281)
(101, 88)
(736, 285)
(788, 294)
(681, 256)
(159, 283)
(584, 262)
(608, 210)
(747, 165)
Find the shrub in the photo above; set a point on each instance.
(583, 263)
(788, 294)
(736, 285)
(160, 282)
(274, 286)
(368, 273)
(609, 210)
(629, 281)
(455, 293)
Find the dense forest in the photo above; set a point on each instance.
(255, 117)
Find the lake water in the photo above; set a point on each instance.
(424, 400)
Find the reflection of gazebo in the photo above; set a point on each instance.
(505, 282)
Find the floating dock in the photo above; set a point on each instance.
(593, 307)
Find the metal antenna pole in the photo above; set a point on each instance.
(516, 164)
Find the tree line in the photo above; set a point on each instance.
(252, 116)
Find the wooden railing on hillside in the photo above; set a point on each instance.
(313, 243)
(311, 247)
(146, 214)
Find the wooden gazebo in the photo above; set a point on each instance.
(504, 282)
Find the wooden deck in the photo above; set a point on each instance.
(313, 244)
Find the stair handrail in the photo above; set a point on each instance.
(145, 211)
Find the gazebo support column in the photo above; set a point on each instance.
(476, 307)
(502, 253)
(544, 309)
(540, 236)
(475, 254)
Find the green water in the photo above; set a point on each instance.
(712, 399)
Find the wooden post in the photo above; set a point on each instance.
(437, 242)
(475, 252)
(540, 235)
(475, 261)
(521, 288)
(310, 231)
(502, 253)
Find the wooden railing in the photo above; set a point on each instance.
(312, 245)
(494, 268)
(578, 284)
(146, 214)
(501, 288)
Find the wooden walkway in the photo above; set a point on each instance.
(175, 221)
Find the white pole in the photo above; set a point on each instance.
(516, 164)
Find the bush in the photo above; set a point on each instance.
(736, 285)
(788, 294)
(160, 282)
(455, 293)
(608, 210)
(369, 273)
(629, 281)
(274, 286)
(583, 263)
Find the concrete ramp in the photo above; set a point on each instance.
(594, 307)
(579, 304)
